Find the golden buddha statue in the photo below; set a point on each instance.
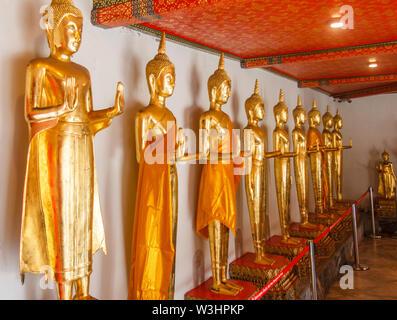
(282, 169)
(62, 224)
(216, 211)
(338, 154)
(328, 124)
(159, 146)
(387, 177)
(301, 165)
(255, 180)
(316, 147)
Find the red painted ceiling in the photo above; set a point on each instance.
(263, 28)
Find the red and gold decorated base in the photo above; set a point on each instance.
(203, 292)
(344, 202)
(338, 233)
(290, 251)
(246, 269)
(385, 209)
(325, 248)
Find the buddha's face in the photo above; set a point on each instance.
(328, 123)
(300, 118)
(66, 37)
(223, 93)
(259, 111)
(281, 116)
(315, 119)
(165, 83)
(385, 157)
(339, 123)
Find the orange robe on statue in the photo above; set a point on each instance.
(153, 250)
(217, 195)
(314, 138)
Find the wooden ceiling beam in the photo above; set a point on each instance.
(321, 55)
(347, 96)
(315, 83)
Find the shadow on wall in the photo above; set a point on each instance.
(130, 167)
(192, 116)
(20, 139)
(240, 195)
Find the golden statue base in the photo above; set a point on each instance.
(290, 251)
(338, 233)
(385, 208)
(246, 269)
(325, 248)
(203, 292)
(344, 202)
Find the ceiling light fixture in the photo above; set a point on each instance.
(336, 25)
(373, 65)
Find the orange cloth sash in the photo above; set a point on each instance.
(153, 251)
(217, 194)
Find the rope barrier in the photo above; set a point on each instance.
(288, 267)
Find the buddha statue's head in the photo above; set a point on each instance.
(314, 116)
(338, 121)
(385, 156)
(254, 106)
(160, 74)
(299, 114)
(280, 111)
(63, 23)
(219, 84)
(328, 120)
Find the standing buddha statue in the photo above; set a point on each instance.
(255, 180)
(62, 224)
(338, 155)
(301, 165)
(328, 124)
(159, 146)
(316, 146)
(282, 169)
(387, 177)
(216, 211)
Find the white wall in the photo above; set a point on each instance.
(121, 55)
(372, 123)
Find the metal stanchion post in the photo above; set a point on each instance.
(373, 235)
(357, 265)
(313, 267)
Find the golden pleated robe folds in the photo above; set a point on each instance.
(62, 223)
(153, 250)
(217, 194)
(314, 138)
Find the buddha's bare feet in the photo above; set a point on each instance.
(224, 289)
(264, 260)
(290, 240)
(308, 225)
(232, 285)
(84, 298)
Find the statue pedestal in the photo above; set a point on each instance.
(203, 292)
(260, 275)
(344, 203)
(325, 248)
(385, 208)
(290, 251)
(338, 233)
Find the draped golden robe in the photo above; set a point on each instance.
(217, 194)
(314, 138)
(43, 247)
(153, 250)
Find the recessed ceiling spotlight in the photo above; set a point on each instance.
(373, 65)
(372, 60)
(336, 25)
